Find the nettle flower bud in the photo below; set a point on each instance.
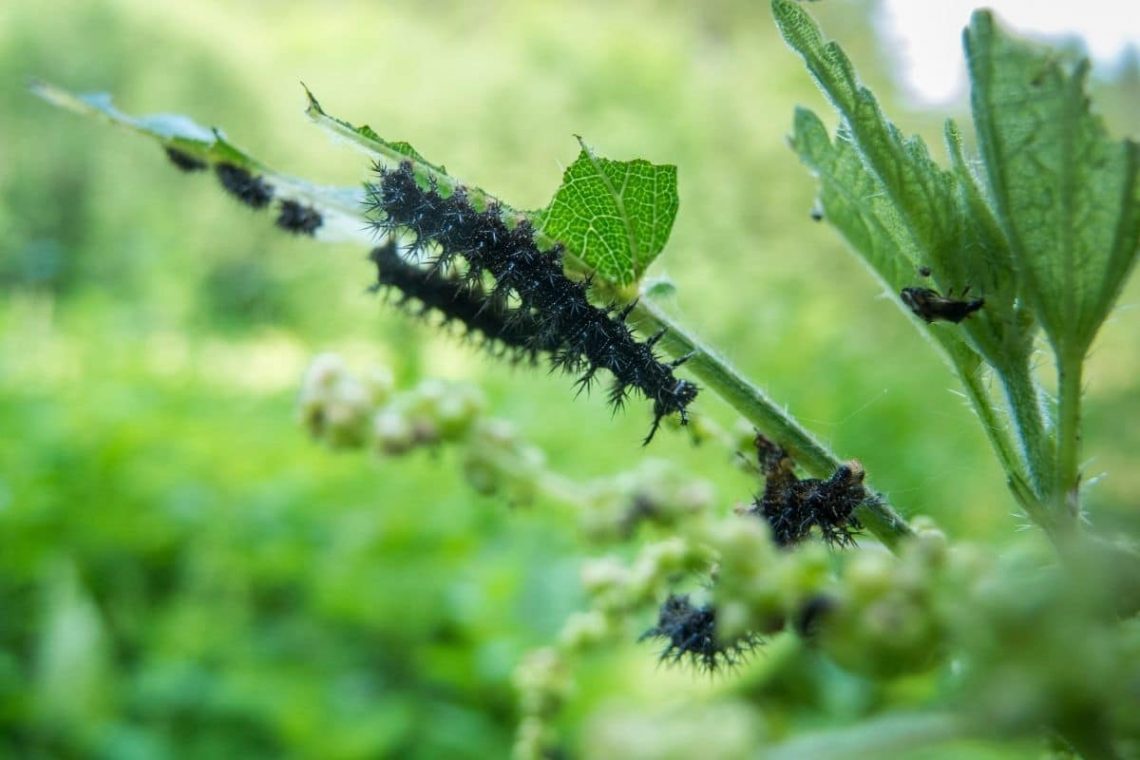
(885, 622)
(380, 385)
(333, 404)
(606, 580)
(497, 459)
(660, 562)
(655, 494)
(431, 413)
(392, 432)
(760, 587)
(543, 682)
(584, 630)
(456, 411)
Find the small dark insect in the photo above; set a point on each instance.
(690, 632)
(253, 191)
(299, 219)
(185, 161)
(924, 271)
(792, 506)
(817, 212)
(931, 305)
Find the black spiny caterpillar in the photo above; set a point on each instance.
(299, 219)
(690, 632)
(251, 190)
(792, 506)
(587, 338)
(184, 161)
(506, 331)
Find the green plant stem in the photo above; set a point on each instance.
(1017, 481)
(1066, 488)
(1025, 404)
(751, 402)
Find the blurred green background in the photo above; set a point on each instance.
(184, 574)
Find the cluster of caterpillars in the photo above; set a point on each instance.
(793, 506)
(542, 311)
(253, 191)
(508, 293)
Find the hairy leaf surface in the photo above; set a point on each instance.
(1066, 194)
(615, 215)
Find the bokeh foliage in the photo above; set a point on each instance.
(183, 574)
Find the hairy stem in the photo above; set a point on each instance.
(1019, 484)
(751, 402)
(1067, 476)
(1025, 403)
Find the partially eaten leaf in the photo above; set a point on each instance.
(614, 215)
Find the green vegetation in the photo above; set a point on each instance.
(185, 574)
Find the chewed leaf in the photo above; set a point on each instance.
(1067, 196)
(366, 139)
(174, 129)
(614, 215)
(192, 146)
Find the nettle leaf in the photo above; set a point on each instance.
(897, 191)
(1008, 318)
(855, 202)
(173, 130)
(367, 140)
(340, 206)
(614, 215)
(1066, 195)
(916, 185)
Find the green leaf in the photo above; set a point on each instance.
(917, 187)
(1066, 195)
(367, 140)
(855, 202)
(936, 217)
(899, 210)
(614, 215)
(340, 206)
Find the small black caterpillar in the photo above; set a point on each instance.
(587, 338)
(185, 161)
(510, 331)
(792, 506)
(251, 190)
(690, 631)
(299, 219)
